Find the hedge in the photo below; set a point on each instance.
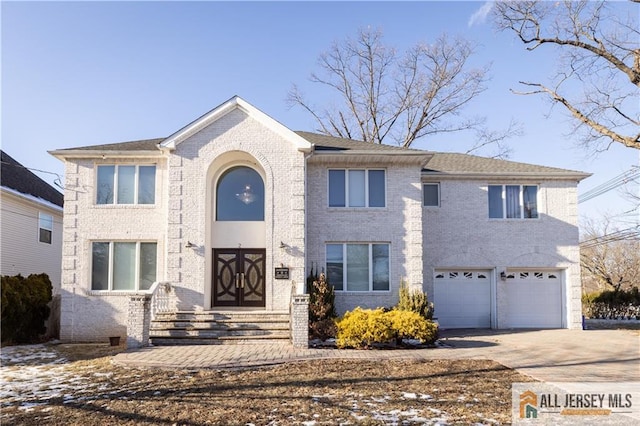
(25, 307)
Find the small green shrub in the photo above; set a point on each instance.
(362, 328)
(414, 301)
(24, 304)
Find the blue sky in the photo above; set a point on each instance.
(76, 74)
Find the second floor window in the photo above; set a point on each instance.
(357, 188)
(513, 201)
(45, 224)
(129, 184)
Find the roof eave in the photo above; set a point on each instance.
(64, 154)
(577, 176)
(419, 158)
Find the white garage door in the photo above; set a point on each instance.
(462, 299)
(534, 299)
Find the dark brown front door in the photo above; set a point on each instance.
(238, 277)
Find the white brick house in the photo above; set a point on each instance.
(226, 206)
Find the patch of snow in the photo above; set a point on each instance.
(409, 395)
(425, 396)
(309, 423)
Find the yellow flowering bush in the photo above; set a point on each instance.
(363, 327)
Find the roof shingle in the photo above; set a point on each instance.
(15, 176)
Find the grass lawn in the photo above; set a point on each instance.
(78, 385)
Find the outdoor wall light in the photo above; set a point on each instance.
(189, 245)
(283, 245)
(503, 276)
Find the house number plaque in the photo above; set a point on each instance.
(282, 274)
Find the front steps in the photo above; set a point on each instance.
(220, 328)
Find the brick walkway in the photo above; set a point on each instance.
(549, 355)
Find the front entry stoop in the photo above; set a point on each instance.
(220, 328)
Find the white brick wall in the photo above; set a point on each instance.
(399, 223)
(89, 315)
(459, 234)
(183, 212)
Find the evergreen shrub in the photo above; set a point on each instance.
(24, 307)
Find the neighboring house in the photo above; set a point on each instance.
(234, 208)
(31, 228)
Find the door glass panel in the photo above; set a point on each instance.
(225, 278)
(253, 277)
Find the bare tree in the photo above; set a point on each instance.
(600, 53)
(385, 96)
(610, 259)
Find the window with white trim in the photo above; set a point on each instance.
(123, 265)
(513, 201)
(126, 184)
(431, 195)
(358, 267)
(45, 227)
(357, 188)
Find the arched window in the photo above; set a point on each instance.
(240, 195)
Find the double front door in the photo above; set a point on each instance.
(238, 277)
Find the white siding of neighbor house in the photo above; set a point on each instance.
(459, 234)
(22, 252)
(399, 223)
(88, 315)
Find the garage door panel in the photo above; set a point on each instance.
(462, 299)
(534, 299)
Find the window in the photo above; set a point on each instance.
(45, 225)
(123, 266)
(240, 195)
(357, 188)
(358, 267)
(126, 184)
(431, 194)
(513, 201)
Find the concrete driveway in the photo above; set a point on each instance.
(547, 355)
(554, 355)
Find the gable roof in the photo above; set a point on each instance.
(225, 108)
(15, 176)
